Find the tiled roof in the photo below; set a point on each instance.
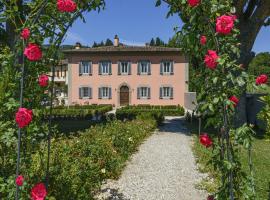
(124, 49)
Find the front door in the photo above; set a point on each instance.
(124, 96)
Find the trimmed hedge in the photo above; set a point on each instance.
(80, 164)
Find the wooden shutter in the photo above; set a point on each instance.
(99, 68)
(110, 93)
(139, 68)
(90, 68)
(110, 68)
(172, 68)
(129, 68)
(119, 68)
(160, 93)
(80, 93)
(90, 93)
(138, 93)
(149, 93)
(171, 92)
(161, 68)
(149, 68)
(99, 93)
(80, 68)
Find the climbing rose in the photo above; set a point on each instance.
(43, 80)
(225, 24)
(234, 100)
(262, 79)
(25, 34)
(38, 192)
(203, 40)
(210, 197)
(211, 59)
(24, 117)
(205, 140)
(33, 52)
(194, 3)
(66, 5)
(19, 180)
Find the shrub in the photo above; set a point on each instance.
(80, 164)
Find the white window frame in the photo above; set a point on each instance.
(83, 92)
(144, 93)
(105, 92)
(166, 92)
(147, 67)
(103, 71)
(126, 67)
(167, 67)
(85, 67)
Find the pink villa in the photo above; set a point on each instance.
(127, 75)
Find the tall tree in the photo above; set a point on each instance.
(152, 42)
(260, 64)
(158, 41)
(108, 42)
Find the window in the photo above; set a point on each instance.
(105, 93)
(85, 68)
(124, 68)
(105, 68)
(85, 93)
(166, 67)
(166, 92)
(143, 93)
(144, 67)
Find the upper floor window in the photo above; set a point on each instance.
(144, 67)
(85, 68)
(124, 68)
(105, 68)
(85, 92)
(166, 67)
(104, 93)
(166, 92)
(143, 93)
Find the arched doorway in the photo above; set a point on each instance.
(124, 95)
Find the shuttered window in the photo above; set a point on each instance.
(166, 92)
(105, 68)
(85, 93)
(104, 93)
(85, 68)
(166, 68)
(124, 68)
(144, 67)
(143, 93)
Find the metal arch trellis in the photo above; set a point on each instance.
(55, 42)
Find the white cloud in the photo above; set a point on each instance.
(72, 38)
(131, 43)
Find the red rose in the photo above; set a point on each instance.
(25, 34)
(211, 59)
(38, 192)
(203, 40)
(24, 117)
(194, 3)
(205, 140)
(66, 5)
(33, 52)
(225, 24)
(262, 79)
(19, 180)
(234, 100)
(43, 80)
(210, 197)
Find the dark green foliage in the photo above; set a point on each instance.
(80, 164)
(102, 44)
(260, 64)
(157, 42)
(108, 43)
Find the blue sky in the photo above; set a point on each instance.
(136, 22)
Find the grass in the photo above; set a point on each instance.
(260, 156)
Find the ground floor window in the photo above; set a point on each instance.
(166, 92)
(105, 93)
(143, 92)
(85, 92)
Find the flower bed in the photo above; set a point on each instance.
(80, 164)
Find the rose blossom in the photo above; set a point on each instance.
(24, 117)
(225, 24)
(262, 79)
(66, 5)
(194, 3)
(43, 80)
(205, 140)
(25, 34)
(234, 100)
(203, 40)
(211, 59)
(38, 192)
(33, 52)
(19, 180)
(210, 197)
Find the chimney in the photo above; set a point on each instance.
(116, 41)
(78, 45)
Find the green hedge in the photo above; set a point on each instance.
(80, 164)
(78, 111)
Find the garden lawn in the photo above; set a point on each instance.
(260, 156)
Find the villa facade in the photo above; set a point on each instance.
(124, 75)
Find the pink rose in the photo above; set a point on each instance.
(33, 52)
(43, 80)
(211, 59)
(25, 34)
(38, 192)
(262, 79)
(19, 180)
(225, 24)
(194, 3)
(203, 40)
(234, 100)
(24, 117)
(205, 140)
(66, 5)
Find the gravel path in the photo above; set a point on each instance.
(163, 169)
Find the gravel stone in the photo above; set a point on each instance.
(164, 168)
